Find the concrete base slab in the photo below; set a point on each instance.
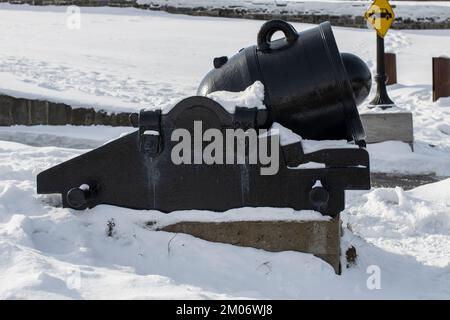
(321, 238)
(385, 126)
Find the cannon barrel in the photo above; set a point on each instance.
(309, 86)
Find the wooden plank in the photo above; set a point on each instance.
(441, 77)
(390, 62)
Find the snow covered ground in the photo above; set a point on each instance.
(126, 59)
(50, 252)
(436, 10)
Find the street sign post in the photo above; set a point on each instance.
(380, 16)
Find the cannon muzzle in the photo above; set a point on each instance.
(309, 86)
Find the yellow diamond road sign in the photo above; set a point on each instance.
(380, 15)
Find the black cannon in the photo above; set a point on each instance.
(309, 87)
(313, 98)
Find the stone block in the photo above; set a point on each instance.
(5, 110)
(123, 119)
(102, 118)
(114, 121)
(38, 112)
(59, 114)
(80, 116)
(89, 117)
(386, 126)
(20, 112)
(320, 238)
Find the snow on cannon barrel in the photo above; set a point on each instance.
(231, 150)
(309, 87)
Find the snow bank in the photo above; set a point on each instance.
(50, 252)
(47, 252)
(415, 222)
(77, 137)
(437, 10)
(86, 68)
(397, 157)
(240, 214)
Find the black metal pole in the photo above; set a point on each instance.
(381, 97)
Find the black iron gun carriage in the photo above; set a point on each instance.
(309, 88)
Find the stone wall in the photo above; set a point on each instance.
(15, 111)
(258, 13)
(18, 111)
